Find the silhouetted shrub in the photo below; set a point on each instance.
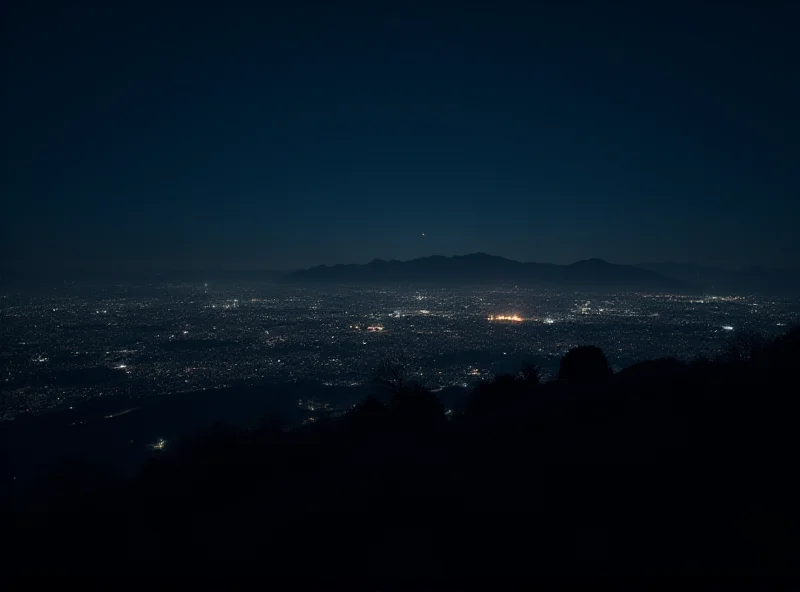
(416, 408)
(529, 374)
(370, 406)
(585, 364)
(488, 397)
(393, 374)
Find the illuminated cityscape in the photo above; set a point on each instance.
(75, 344)
(511, 318)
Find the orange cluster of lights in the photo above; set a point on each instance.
(512, 318)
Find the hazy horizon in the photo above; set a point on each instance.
(122, 270)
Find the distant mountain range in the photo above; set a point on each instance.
(480, 268)
(477, 268)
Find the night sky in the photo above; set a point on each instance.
(225, 136)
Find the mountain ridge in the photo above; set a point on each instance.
(485, 268)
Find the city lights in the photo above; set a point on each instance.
(289, 335)
(510, 318)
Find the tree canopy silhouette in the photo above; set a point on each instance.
(691, 458)
(417, 408)
(394, 374)
(585, 364)
(490, 396)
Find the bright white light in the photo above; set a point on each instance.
(727, 327)
(122, 366)
(549, 321)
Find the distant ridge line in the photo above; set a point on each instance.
(483, 268)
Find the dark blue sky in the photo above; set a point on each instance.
(141, 136)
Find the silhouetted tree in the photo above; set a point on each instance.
(503, 390)
(487, 397)
(530, 374)
(392, 374)
(417, 408)
(370, 406)
(585, 364)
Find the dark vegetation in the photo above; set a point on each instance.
(663, 468)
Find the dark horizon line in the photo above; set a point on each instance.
(600, 259)
(71, 272)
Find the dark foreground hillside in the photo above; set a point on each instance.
(663, 468)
